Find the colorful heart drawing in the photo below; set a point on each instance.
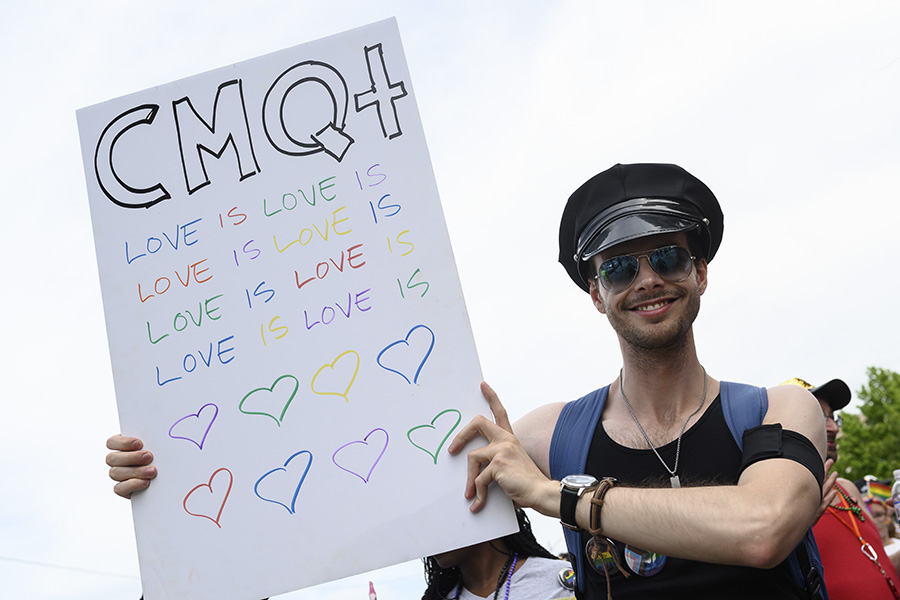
(195, 426)
(432, 433)
(267, 403)
(405, 353)
(207, 500)
(357, 456)
(279, 483)
(331, 381)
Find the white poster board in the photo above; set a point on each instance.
(285, 321)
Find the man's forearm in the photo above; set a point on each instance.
(753, 524)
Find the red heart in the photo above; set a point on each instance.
(212, 499)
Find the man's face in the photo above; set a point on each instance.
(831, 431)
(652, 312)
(881, 517)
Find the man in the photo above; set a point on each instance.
(638, 239)
(856, 564)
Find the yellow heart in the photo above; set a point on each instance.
(312, 384)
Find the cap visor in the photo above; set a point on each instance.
(634, 226)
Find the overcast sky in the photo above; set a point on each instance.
(787, 110)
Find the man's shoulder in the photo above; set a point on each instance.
(544, 418)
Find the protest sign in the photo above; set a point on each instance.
(285, 320)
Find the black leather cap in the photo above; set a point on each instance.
(633, 201)
(834, 393)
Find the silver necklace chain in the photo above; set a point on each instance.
(674, 478)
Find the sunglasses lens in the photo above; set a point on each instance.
(618, 272)
(672, 263)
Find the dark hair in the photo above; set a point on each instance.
(441, 582)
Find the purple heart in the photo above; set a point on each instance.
(359, 457)
(196, 424)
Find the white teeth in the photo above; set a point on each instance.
(652, 306)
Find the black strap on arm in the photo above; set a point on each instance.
(771, 441)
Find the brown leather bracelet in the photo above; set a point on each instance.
(597, 501)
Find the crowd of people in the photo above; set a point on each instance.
(647, 473)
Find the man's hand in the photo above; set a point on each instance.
(505, 461)
(129, 465)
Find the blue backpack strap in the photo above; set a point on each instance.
(569, 448)
(744, 407)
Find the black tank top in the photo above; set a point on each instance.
(709, 456)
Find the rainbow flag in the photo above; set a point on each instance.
(879, 491)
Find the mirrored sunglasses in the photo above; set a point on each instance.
(672, 263)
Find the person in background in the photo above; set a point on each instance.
(853, 555)
(881, 516)
(514, 567)
(875, 494)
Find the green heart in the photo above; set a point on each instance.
(271, 390)
(437, 451)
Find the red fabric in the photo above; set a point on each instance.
(850, 574)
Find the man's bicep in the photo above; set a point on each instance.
(797, 410)
(788, 489)
(787, 453)
(535, 432)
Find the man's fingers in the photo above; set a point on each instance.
(129, 465)
(121, 474)
(500, 416)
(129, 459)
(123, 443)
(482, 426)
(480, 485)
(477, 426)
(126, 488)
(475, 460)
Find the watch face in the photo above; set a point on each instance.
(579, 481)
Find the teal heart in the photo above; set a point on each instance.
(432, 428)
(267, 403)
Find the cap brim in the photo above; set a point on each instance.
(835, 393)
(634, 226)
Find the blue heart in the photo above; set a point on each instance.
(406, 342)
(290, 508)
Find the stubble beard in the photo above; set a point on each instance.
(659, 337)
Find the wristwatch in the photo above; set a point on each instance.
(571, 489)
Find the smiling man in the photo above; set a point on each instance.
(648, 473)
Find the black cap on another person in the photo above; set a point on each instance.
(628, 202)
(834, 393)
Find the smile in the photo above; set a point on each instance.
(654, 306)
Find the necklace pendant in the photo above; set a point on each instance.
(676, 483)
